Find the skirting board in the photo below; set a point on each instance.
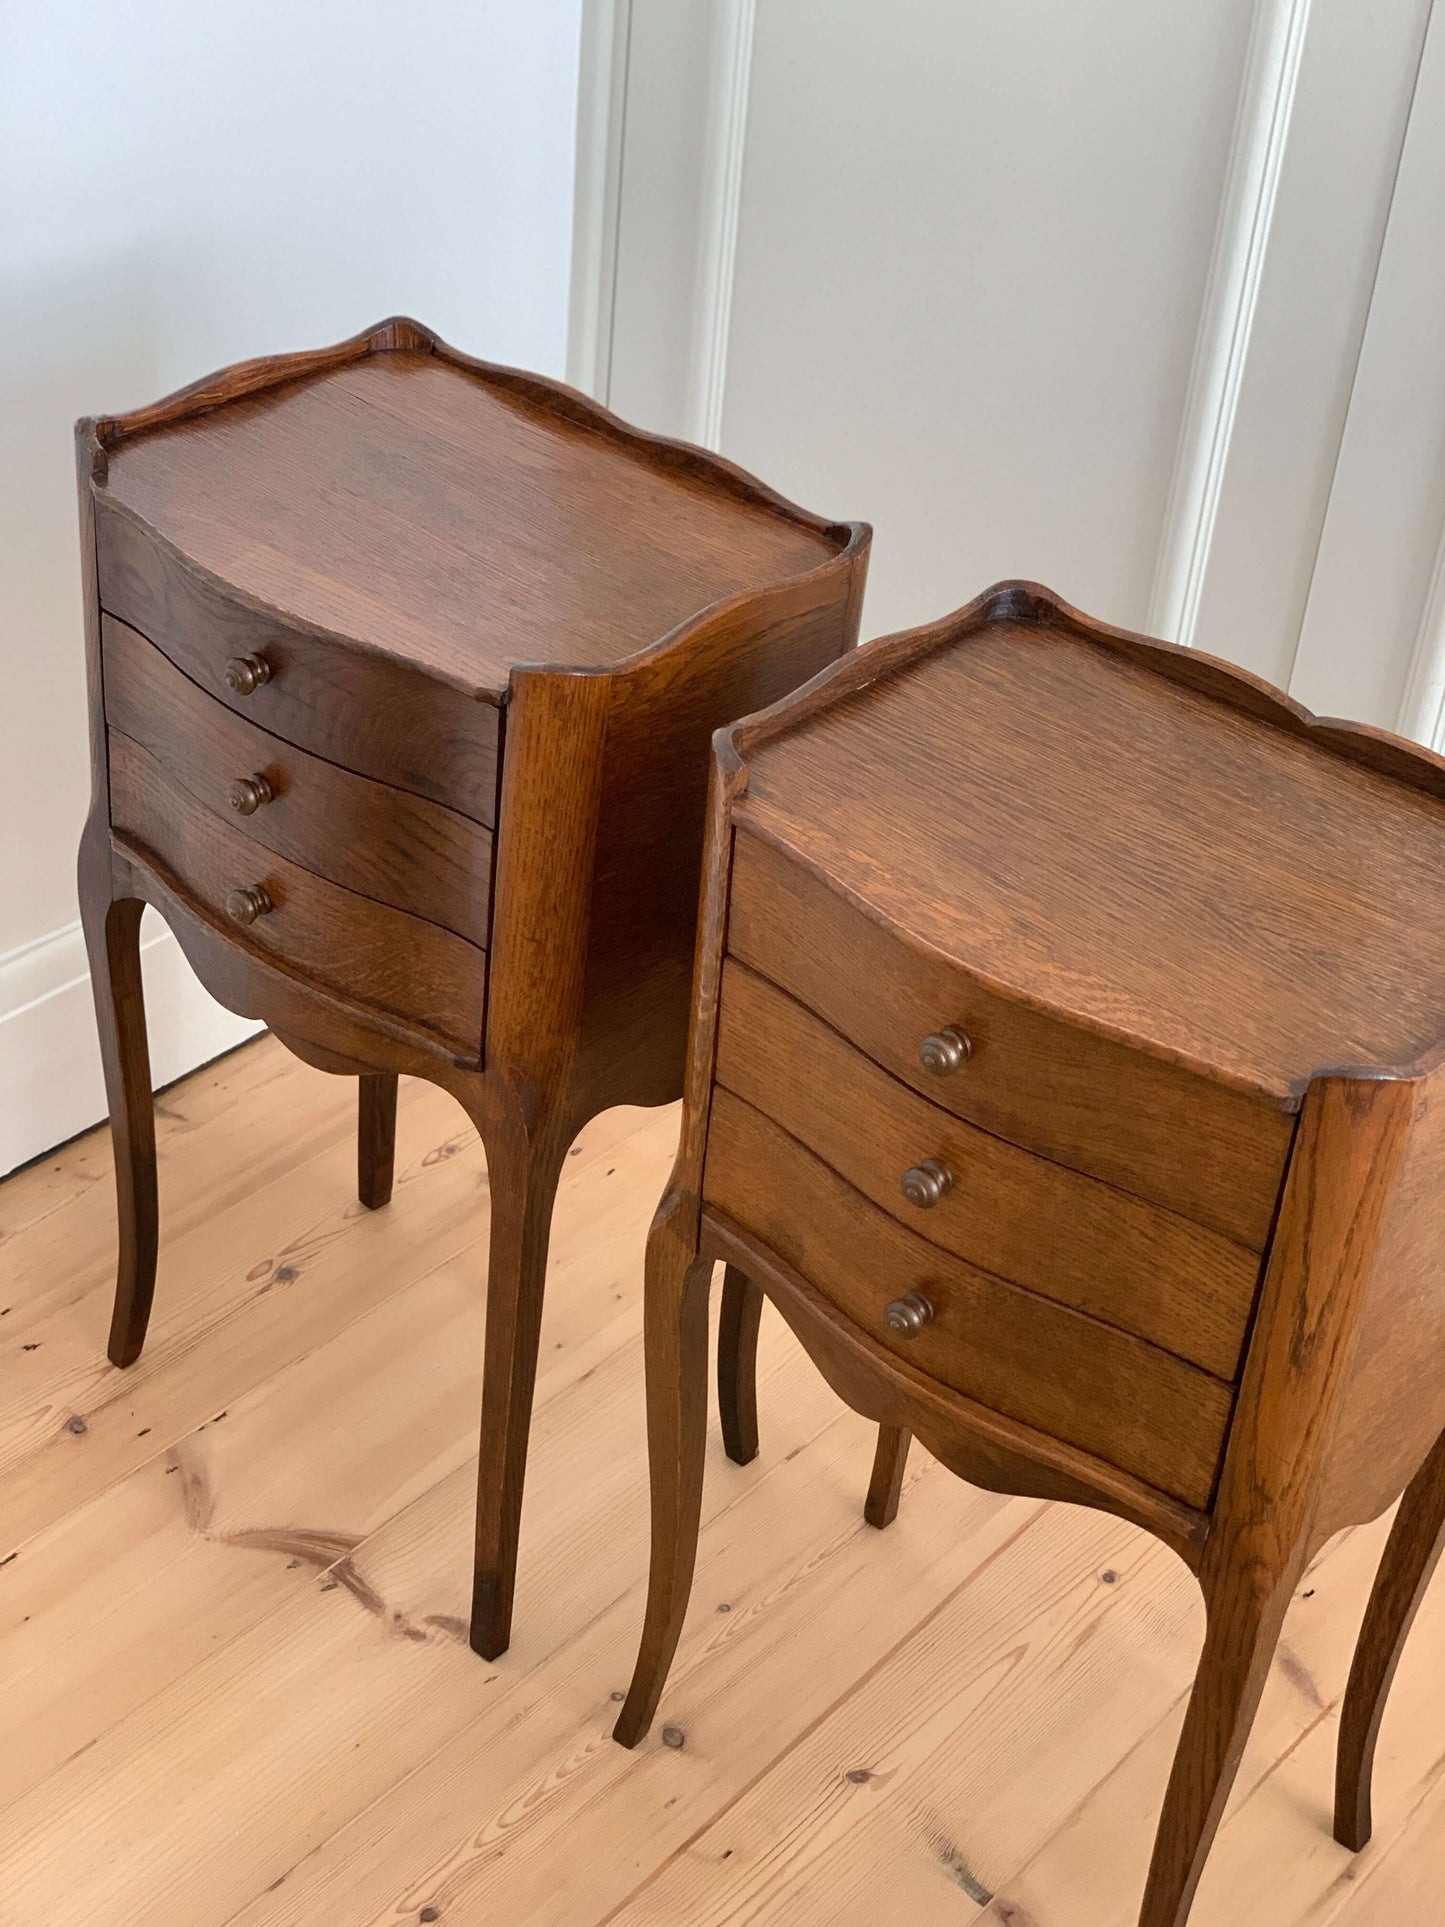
(50, 1079)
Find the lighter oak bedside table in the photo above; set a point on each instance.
(1066, 1067)
(402, 670)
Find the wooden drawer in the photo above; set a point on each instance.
(369, 837)
(1200, 1147)
(350, 704)
(1067, 1236)
(1104, 1391)
(365, 951)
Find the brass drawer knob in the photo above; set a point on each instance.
(248, 793)
(908, 1315)
(245, 674)
(924, 1184)
(248, 903)
(945, 1050)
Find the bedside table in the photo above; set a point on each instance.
(402, 670)
(1065, 1066)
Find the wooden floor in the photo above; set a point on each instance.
(236, 1687)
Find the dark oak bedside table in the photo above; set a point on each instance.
(403, 669)
(1065, 1066)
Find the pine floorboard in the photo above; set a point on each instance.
(233, 1581)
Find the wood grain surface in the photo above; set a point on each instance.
(358, 948)
(355, 706)
(370, 837)
(1197, 1146)
(1076, 1379)
(1037, 1223)
(405, 501)
(1191, 878)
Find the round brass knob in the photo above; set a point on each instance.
(924, 1184)
(908, 1315)
(248, 903)
(944, 1050)
(245, 674)
(248, 793)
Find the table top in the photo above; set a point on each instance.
(459, 517)
(1195, 870)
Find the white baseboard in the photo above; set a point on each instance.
(50, 1078)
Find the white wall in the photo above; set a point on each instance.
(1099, 294)
(182, 186)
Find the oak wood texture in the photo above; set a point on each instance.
(1088, 1244)
(363, 710)
(236, 1685)
(1074, 1095)
(1033, 1360)
(401, 849)
(487, 631)
(1192, 936)
(363, 950)
(989, 1449)
(1046, 740)
(451, 518)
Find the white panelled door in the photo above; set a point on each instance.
(1372, 645)
(1141, 301)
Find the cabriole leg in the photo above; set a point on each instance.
(523, 1182)
(1411, 1554)
(676, 1345)
(112, 941)
(1246, 1606)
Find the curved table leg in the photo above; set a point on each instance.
(112, 941)
(522, 1176)
(1246, 1605)
(737, 1395)
(1411, 1554)
(676, 1345)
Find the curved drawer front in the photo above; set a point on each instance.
(351, 705)
(1067, 1236)
(1104, 1391)
(1203, 1149)
(362, 951)
(367, 836)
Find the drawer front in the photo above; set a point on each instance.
(369, 837)
(351, 705)
(1202, 1149)
(1110, 1394)
(1067, 1236)
(364, 952)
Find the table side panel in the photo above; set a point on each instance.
(651, 811)
(1393, 1404)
